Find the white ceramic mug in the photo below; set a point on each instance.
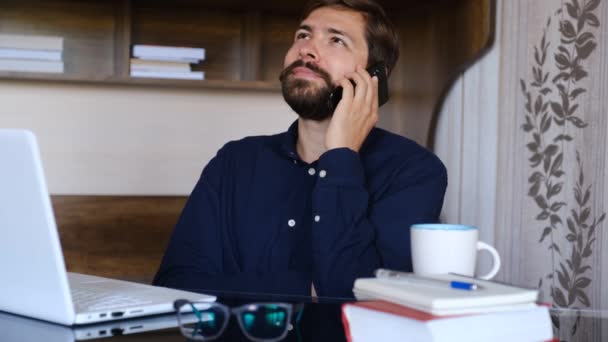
(449, 248)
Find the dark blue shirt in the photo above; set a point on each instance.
(262, 220)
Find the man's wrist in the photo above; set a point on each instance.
(341, 165)
(336, 145)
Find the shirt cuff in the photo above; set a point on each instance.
(341, 166)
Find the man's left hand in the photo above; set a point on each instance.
(356, 113)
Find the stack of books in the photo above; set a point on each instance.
(152, 61)
(432, 310)
(23, 53)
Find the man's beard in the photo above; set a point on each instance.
(304, 96)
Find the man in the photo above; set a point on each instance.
(326, 202)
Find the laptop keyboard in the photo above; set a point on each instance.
(96, 299)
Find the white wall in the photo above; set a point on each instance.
(99, 139)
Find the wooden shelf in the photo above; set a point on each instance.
(170, 83)
(244, 47)
(246, 42)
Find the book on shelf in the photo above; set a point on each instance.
(24, 65)
(45, 55)
(147, 65)
(34, 42)
(384, 321)
(170, 59)
(169, 53)
(442, 299)
(192, 75)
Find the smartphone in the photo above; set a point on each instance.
(378, 70)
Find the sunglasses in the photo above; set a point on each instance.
(204, 321)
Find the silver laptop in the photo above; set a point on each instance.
(34, 279)
(20, 329)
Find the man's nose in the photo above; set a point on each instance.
(308, 52)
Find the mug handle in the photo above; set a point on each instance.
(495, 260)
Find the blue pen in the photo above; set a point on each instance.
(415, 279)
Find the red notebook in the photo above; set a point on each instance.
(385, 321)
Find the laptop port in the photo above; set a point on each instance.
(117, 331)
(117, 314)
(102, 332)
(103, 315)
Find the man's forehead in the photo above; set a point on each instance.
(336, 18)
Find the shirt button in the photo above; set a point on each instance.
(295, 161)
(317, 218)
(291, 223)
(311, 171)
(322, 173)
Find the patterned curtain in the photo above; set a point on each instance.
(551, 187)
(560, 150)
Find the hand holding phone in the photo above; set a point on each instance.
(378, 70)
(355, 109)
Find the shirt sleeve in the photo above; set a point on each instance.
(200, 256)
(355, 233)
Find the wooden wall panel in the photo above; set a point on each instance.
(277, 34)
(116, 236)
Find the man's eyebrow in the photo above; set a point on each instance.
(305, 27)
(331, 30)
(338, 32)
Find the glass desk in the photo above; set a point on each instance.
(320, 320)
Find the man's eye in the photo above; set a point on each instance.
(337, 40)
(301, 35)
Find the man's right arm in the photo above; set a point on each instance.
(190, 252)
(202, 254)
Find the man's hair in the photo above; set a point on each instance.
(382, 41)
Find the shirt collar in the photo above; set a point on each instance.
(289, 140)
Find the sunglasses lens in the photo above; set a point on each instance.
(265, 321)
(204, 321)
